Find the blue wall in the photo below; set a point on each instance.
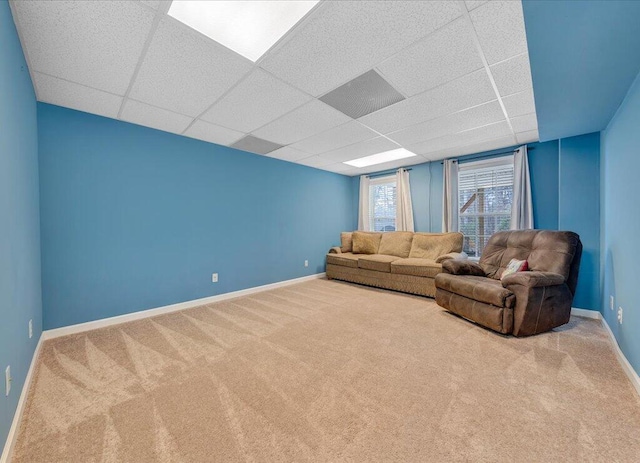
(571, 176)
(134, 218)
(20, 298)
(620, 226)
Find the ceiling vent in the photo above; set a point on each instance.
(363, 95)
(255, 145)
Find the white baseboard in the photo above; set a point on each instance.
(586, 313)
(15, 424)
(93, 325)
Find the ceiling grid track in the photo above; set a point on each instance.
(487, 68)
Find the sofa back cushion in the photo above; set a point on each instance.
(396, 244)
(433, 245)
(346, 244)
(544, 250)
(366, 242)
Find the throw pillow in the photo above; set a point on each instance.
(345, 241)
(366, 242)
(515, 266)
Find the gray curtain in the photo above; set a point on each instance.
(522, 206)
(450, 196)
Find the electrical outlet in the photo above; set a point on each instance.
(214, 278)
(306, 263)
(620, 315)
(30, 329)
(611, 304)
(7, 380)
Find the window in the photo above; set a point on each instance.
(382, 203)
(485, 194)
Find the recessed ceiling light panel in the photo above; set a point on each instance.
(247, 27)
(379, 158)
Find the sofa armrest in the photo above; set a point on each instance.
(335, 250)
(451, 255)
(462, 267)
(533, 279)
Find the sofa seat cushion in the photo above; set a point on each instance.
(477, 288)
(346, 259)
(416, 267)
(378, 262)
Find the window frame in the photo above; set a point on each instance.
(376, 181)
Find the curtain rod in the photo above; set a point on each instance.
(490, 155)
(385, 172)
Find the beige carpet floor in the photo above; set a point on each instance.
(328, 371)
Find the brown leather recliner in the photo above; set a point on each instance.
(523, 303)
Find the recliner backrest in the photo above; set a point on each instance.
(545, 250)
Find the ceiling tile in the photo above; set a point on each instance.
(527, 137)
(479, 147)
(468, 137)
(361, 149)
(443, 56)
(257, 100)
(392, 165)
(213, 133)
(70, 95)
(287, 153)
(338, 168)
(315, 161)
(341, 40)
(524, 123)
(157, 118)
(465, 92)
(310, 119)
(255, 145)
(343, 135)
(500, 29)
(96, 44)
(473, 4)
(151, 3)
(184, 71)
(520, 104)
(470, 118)
(513, 76)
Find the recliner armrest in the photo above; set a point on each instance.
(451, 255)
(462, 267)
(533, 279)
(335, 250)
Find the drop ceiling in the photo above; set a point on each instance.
(459, 73)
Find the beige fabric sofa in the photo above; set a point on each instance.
(402, 261)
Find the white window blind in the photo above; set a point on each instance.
(382, 203)
(485, 194)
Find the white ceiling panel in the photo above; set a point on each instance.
(479, 147)
(392, 165)
(445, 55)
(310, 119)
(337, 137)
(287, 153)
(315, 161)
(95, 43)
(525, 123)
(477, 116)
(500, 29)
(528, 137)
(70, 95)
(151, 3)
(361, 149)
(157, 118)
(213, 133)
(342, 40)
(339, 168)
(513, 76)
(465, 92)
(186, 72)
(473, 4)
(468, 137)
(520, 104)
(257, 100)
